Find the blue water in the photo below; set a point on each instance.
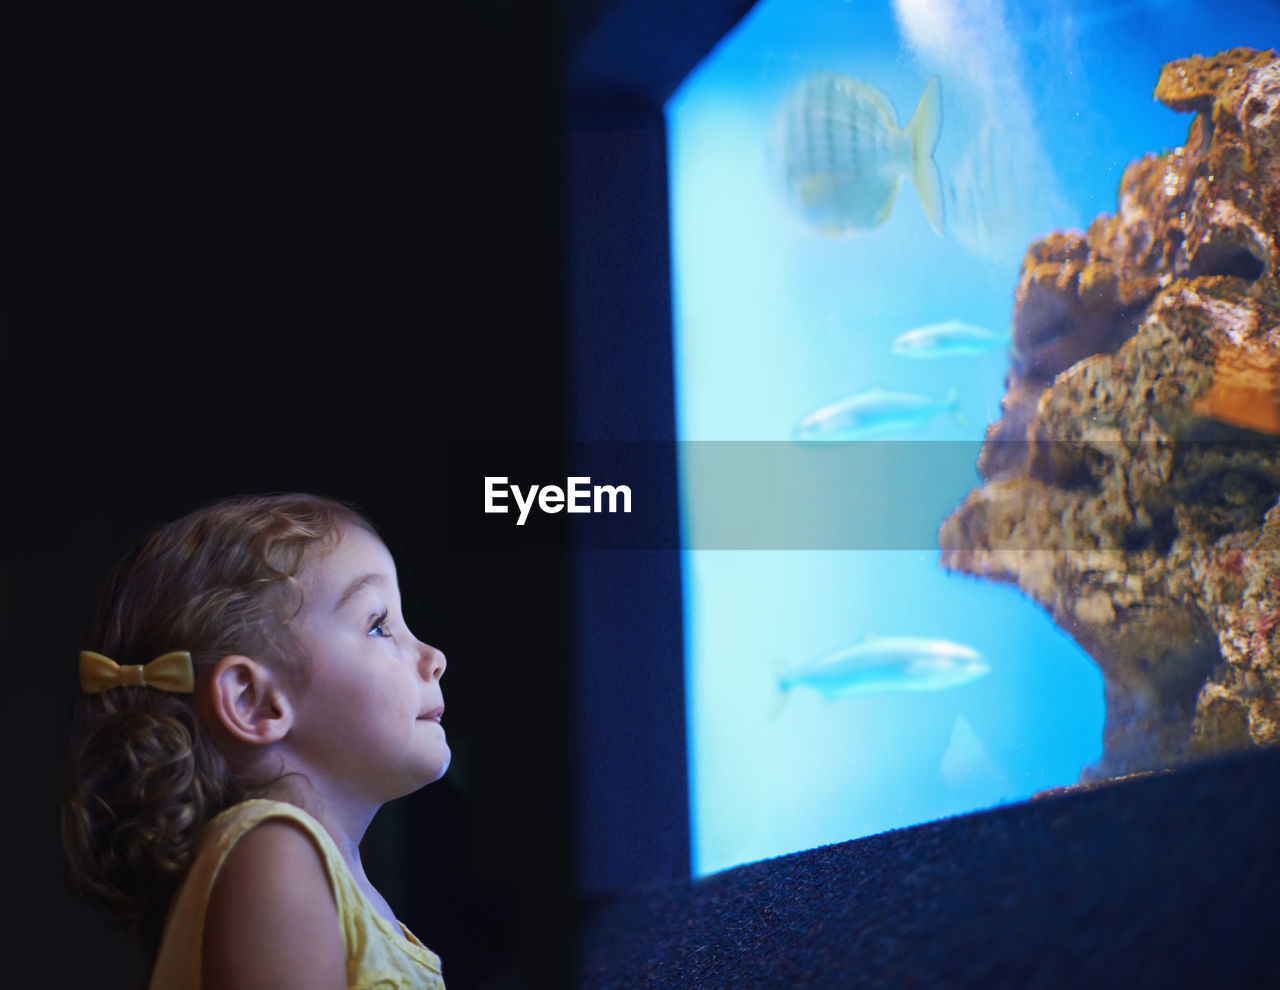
(774, 320)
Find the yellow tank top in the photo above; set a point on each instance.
(379, 956)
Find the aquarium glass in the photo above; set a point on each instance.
(790, 298)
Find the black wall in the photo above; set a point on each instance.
(337, 247)
(622, 61)
(294, 246)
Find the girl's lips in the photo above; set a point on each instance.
(434, 715)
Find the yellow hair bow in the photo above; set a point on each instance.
(170, 672)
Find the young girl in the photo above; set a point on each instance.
(250, 696)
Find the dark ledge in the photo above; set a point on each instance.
(1162, 881)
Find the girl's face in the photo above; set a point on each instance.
(368, 722)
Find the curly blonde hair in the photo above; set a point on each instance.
(142, 774)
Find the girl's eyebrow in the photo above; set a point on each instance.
(356, 585)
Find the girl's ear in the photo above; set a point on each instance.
(248, 700)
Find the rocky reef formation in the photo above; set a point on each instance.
(1132, 483)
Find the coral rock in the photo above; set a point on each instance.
(1131, 484)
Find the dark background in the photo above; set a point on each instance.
(327, 247)
(296, 246)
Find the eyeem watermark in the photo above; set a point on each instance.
(576, 497)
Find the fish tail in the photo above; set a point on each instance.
(925, 125)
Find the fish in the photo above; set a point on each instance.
(875, 411)
(845, 155)
(999, 194)
(949, 339)
(885, 664)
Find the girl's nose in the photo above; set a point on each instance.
(433, 662)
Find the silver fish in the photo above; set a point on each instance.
(845, 155)
(875, 411)
(889, 663)
(949, 339)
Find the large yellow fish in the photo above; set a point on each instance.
(845, 155)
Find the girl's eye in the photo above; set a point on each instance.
(379, 627)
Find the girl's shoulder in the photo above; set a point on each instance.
(268, 838)
(223, 831)
(254, 829)
(260, 861)
(258, 827)
(274, 911)
(257, 863)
